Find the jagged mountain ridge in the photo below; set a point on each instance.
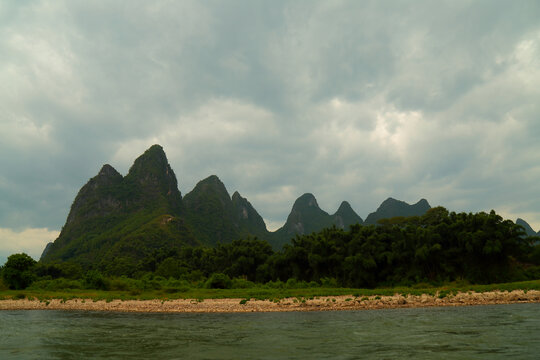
(393, 208)
(124, 218)
(307, 217)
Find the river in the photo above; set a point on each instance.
(474, 332)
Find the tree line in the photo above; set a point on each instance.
(438, 247)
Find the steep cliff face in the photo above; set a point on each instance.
(247, 218)
(391, 208)
(98, 197)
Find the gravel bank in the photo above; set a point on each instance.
(323, 303)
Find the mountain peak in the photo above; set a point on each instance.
(212, 179)
(152, 160)
(306, 200)
(151, 177)
(423, 203)
(391, 201)
(345, 216)
(214, 185)
(207, 197)
(304, 218)
(344, 207)
(217, 218)
(391, 207)
(108, 171)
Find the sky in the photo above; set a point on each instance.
(348, 100)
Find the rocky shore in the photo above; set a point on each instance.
(326, 303)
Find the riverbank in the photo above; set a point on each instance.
(322, 303)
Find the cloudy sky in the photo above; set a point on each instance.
(349, 100)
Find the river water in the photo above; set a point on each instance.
(475, 332)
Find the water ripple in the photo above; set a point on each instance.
(480, 332)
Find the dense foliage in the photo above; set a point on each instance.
(116, 221)
(435, 248)
(127, 217)
(17, 272)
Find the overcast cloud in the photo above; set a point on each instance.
(349, 100)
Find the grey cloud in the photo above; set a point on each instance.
(349, 100)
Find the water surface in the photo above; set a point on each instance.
(479, 332)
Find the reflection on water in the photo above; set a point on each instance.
(480, 332)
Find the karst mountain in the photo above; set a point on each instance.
(124, 219)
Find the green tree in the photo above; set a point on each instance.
(18, 272)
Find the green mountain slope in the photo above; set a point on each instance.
(216, 218)
(209, 211)
(115, 218)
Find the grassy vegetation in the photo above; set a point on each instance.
(261, 292)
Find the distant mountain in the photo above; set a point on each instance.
(528, 230)
(216, 218)
(121, 219)
(117, 223)
(345, 216)
(391, 208)
(307, 217)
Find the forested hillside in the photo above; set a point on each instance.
(139, 224)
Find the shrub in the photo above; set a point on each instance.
(179, 285)
(443, 294)
(2, 285)
(218, 281)
(291, 283)
(194, 276)
(151, 284)
(275, 284)
(329, 282)
(95, 280)
(55, 284)
(239, 283)
(120, 284)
